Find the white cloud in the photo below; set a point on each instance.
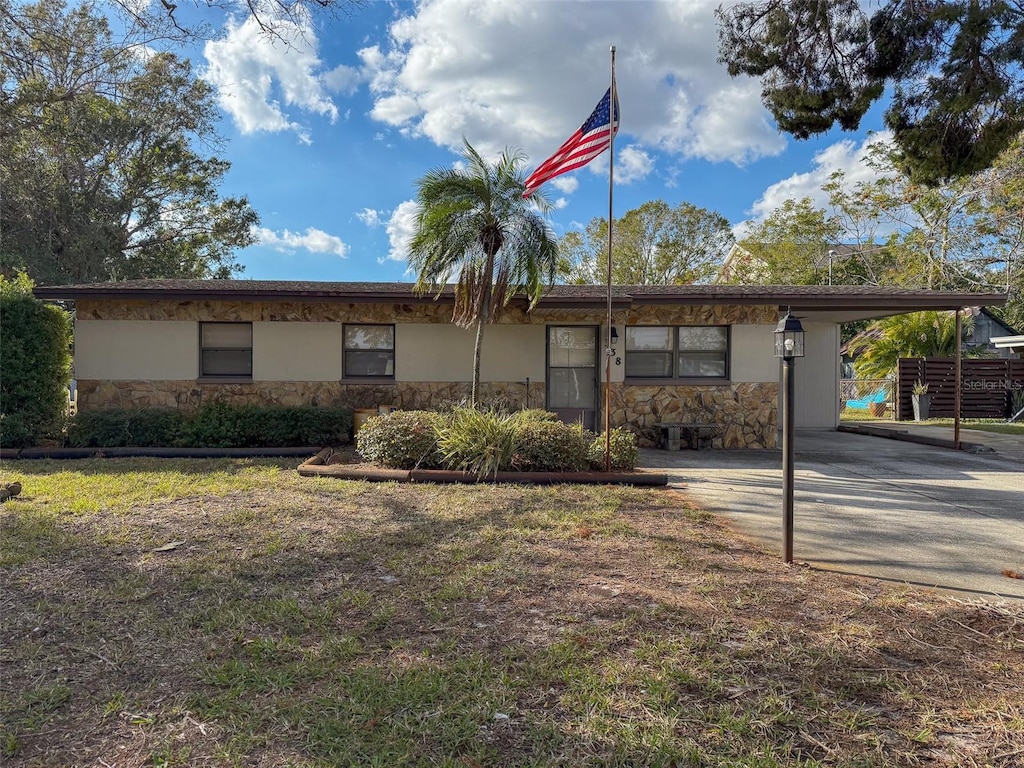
(498, 73)
(400, 229)
(846, 156)
(313, 240)
(370, 217)
(257, 78)
(566, 184)
(632, 164)
(341, 79)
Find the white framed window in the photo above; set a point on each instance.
(369, 351)
(225, 350)
(677, 352)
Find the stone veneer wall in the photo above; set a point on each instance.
(188, 395)
(327, 312)
(747, 410)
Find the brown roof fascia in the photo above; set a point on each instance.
(805, 298)
(174, 294)
(896, 303)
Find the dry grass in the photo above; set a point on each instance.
(316, 622)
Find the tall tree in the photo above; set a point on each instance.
(474, 226)
(954, 66)
(654, 244)
(790, 247)
(966, 234)
(101, 170)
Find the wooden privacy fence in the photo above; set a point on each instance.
(987, 388)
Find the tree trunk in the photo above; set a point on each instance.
(477, 349)
(482, 320)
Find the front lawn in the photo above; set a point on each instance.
(232, 613)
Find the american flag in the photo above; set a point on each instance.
(592, 138)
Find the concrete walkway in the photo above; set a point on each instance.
(889, 509)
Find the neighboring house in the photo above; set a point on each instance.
(741, 263)
(980, 334)
(700, 353)
(737, 261)
(986, 329)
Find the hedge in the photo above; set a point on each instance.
(35, 365)
(212, 426)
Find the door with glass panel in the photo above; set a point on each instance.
(572, 373)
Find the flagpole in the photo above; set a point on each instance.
(609, 351)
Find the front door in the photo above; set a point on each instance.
(572, 373)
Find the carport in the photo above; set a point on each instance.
(822, 311)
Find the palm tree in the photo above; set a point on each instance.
(474, 223)
(920, 334)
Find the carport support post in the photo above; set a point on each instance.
(787, 459)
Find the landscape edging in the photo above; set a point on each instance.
(315, 468)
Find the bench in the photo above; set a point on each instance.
(694, 433)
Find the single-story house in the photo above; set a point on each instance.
(693, 353)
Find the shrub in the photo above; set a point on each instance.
(534, 415)
(402, 439)
(624, 452)
(219, 425)
(36, 365)
(119, 427)
(213, 426)
(481, 442)
(549, 446)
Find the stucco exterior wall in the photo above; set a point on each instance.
(816, 384)
(513, 353)
(300, 351)
(136, 349)
(752, 354)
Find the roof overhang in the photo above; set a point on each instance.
(1012, 343)
(826, 304)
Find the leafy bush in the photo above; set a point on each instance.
(534, 415)
(624, 453)
(481, 442)
(219, 425)
(402, 439)
(213, 426)
(36, 365)
(119, 427)
(549, 446)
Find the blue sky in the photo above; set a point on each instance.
(328, 136)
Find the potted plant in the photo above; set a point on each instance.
(921, 399)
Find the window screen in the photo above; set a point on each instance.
(667, 352)
(225, 349)
(703, 351)
(370, 351)
(649, 352)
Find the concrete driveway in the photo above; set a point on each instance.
(872, 506)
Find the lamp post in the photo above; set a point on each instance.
(789, 345)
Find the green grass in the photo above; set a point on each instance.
(1000, 426)
(315, 622)
(984, 425)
